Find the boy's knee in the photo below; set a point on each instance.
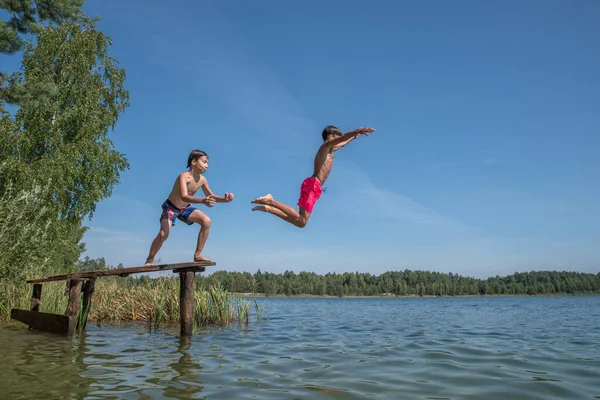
(301, 223)
(205, 222)
(163, 235)
(302, 219)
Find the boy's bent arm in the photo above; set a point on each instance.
(208, 192)
(183, 192)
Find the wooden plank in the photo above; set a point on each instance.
(44, 322)
(123, 271)
(190, 269)
(186, 302)
(36, 297)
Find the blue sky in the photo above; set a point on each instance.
(485, 160)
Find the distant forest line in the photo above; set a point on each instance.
(406, 283)
(398, 283)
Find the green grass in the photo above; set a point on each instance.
(155, 302)
(19, 296)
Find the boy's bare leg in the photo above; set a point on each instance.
(163, 234)
(283, 211)
(204, 221)
(272, 210)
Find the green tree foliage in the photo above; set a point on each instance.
(407, 282)
(91, 264)
(56, 159)
(65, 136)
(27, 17)
(32, 241)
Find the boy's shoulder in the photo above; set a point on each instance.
(188, 177)
(325, 147)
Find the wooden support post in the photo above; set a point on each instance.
(74, 300)
(36, 297)
(186, 302)
(88, 291)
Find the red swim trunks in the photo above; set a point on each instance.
(310, 191)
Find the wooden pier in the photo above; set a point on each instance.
(81, 284)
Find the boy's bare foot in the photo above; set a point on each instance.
(149, 262)
(201, 259)
(263, 200)
(260, 208)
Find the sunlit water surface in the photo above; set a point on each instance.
(444, 348)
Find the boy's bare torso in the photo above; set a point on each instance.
(192, 183)
(323, 163)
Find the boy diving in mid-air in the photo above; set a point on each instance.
(310, 190)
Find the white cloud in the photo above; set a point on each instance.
(486, 162)
(220, 61)
(354, 183)
(112, 235)
(446, 164)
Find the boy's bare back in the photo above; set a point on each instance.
(323, 162)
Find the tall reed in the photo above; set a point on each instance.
(153, 301)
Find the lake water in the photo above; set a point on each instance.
(438, 348)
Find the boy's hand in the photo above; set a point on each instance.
(363, 131)
(228, 197)
(210, 200)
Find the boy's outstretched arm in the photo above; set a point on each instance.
(344, 143)
(347, 137)
(219, 199)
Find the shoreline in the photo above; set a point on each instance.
(309, 296)
(392, 296)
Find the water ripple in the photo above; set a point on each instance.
(495, 348)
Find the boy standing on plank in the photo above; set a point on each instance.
(178, 205)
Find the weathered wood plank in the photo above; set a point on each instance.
(190, 269)
(123, 271)
(36, 297)
(186, 302)
(44, 322)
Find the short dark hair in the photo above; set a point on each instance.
(331, 130)
(194, 155)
